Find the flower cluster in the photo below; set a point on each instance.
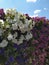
(40, 44)
(41, 41)
(23, 40)
(15, 34)
(16, 28)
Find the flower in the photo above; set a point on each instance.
(1, 21)
(2, 14)
(18, 42)
(10, 11)
(4, 43)
(34, 23)
(11, 59)
(1, 32)
(15, 35)
(28, 36)
(14, 26)
(28, 25)
(23, 40)
(20, 60)
(14, 41)
(10, 37)
(7, 26)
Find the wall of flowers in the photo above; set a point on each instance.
(23, 40)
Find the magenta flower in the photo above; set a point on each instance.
(2, 14)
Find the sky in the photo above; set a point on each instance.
(32, 7)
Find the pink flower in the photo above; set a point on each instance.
(35, 42)
(42, 57)
(2, 14)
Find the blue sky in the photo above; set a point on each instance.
(32, 7)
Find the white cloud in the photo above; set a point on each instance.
(31, 0)
(35, 15)
(45, 8)
(37, 11)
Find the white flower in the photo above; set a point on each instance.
(15, 35)
(10, 37)
(33, 23)
(1, 31)
(7, 26)
(11, 11)
(28, 36)
(10, 21)
(7, 19)
(20, 41)
(14, 40)
(28, 25)
(20, 24)
(19, 15)
(22, 28)
(3, 43)
(14, 26)
(16, 18)
(22, 37)
(25, 27)
(26, 21)
(2, 22)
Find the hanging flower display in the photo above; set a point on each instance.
(23, 40)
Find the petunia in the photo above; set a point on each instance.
(7, 26)
(10, 37)
(14, 26)
(11, 59)
(14, 40)
(28, 36)
(1, 21)
(2, 14)
(15, 35)
(20, 60)
(4, 43)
